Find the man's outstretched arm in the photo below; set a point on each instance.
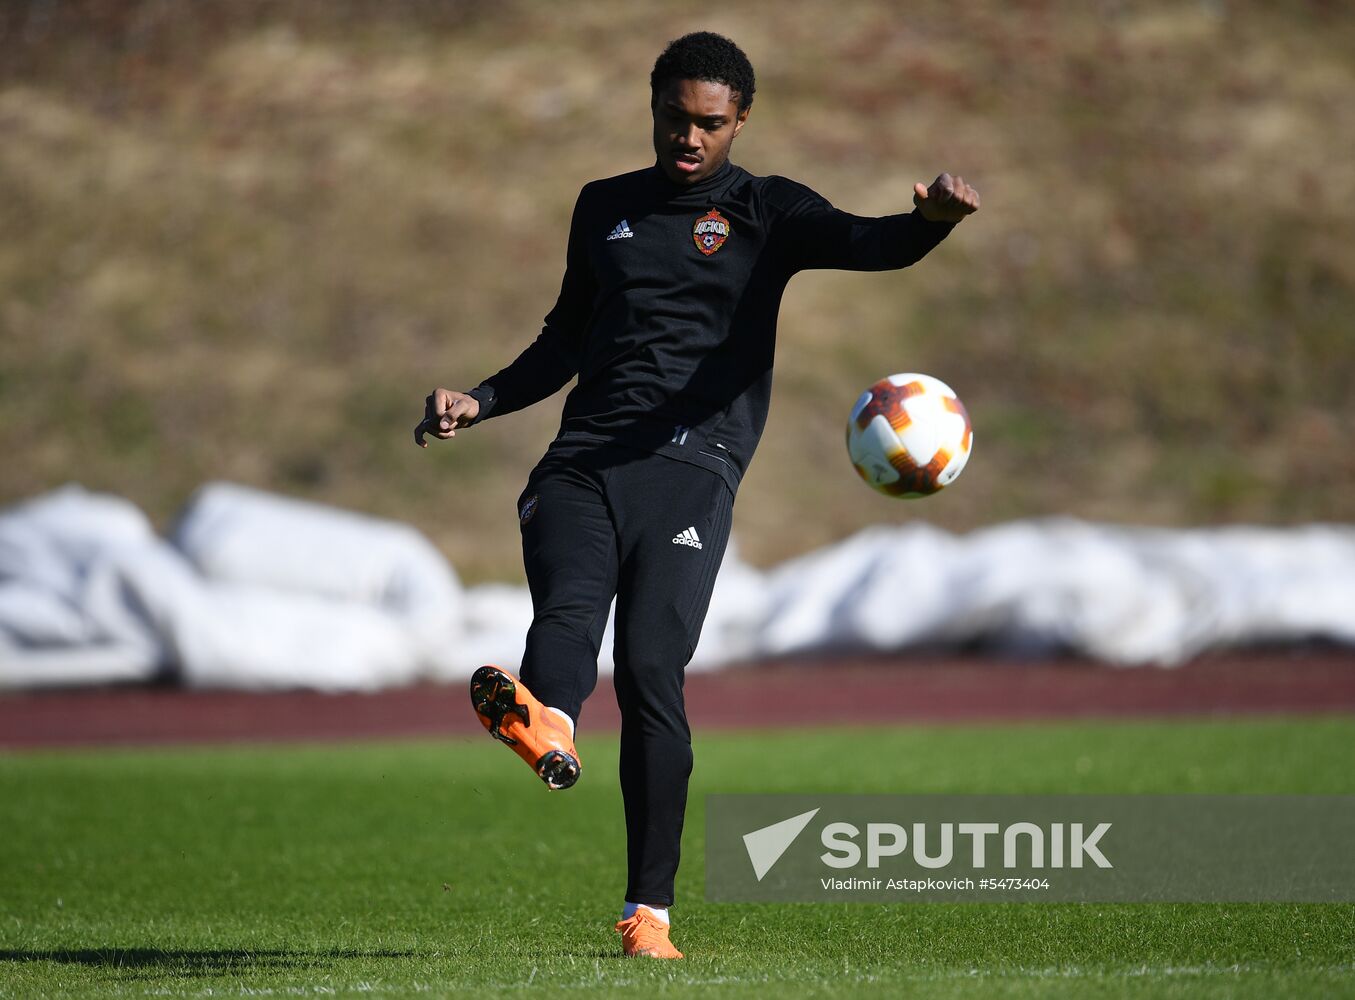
(547, 364)
(814, 234)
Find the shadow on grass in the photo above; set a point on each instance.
(202, 962)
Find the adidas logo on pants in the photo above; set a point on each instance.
(688, 537)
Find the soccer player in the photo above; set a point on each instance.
(667, 316)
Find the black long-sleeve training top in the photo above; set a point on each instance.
(667, 313)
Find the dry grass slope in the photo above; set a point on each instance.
(242, 240)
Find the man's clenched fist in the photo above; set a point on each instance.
(443, 412)
(949, 199)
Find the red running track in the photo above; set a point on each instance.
(916, 688)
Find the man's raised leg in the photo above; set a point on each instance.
(569, 550)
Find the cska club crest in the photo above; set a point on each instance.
(528, 509)
(710, 232)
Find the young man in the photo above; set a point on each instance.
(667, 315)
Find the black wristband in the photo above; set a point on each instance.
(486, 397)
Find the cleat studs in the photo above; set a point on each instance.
(558, 769)
(493, 695)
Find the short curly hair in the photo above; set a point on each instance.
(704, 55)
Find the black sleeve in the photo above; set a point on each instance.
(811, 233)
(553, 358)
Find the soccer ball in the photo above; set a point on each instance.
(909, 435)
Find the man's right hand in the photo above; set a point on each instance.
(443, 412)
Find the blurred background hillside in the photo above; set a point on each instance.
(242, 240)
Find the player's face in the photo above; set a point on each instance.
(695, 122)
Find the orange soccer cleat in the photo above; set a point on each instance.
(646, 936)
(513, 716)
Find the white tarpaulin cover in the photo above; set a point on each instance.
(259, 591)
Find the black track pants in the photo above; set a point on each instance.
(649, 531)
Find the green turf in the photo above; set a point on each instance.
(441, 868)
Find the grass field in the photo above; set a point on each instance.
(441, 868)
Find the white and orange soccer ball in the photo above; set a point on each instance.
(909, 435)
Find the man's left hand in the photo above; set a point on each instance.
(949, 199)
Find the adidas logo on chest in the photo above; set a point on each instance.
(688, 537)
(621, 232)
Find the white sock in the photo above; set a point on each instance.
(629, 909)
(568, 720)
